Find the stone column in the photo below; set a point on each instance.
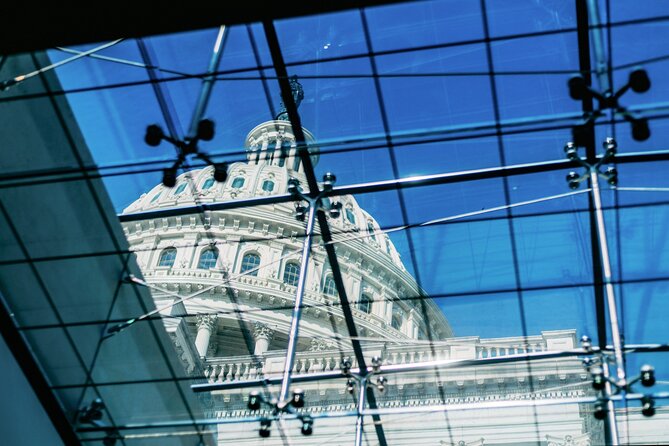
(263, 335)
(206, 323)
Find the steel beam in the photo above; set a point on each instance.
(383, 411)
(297, 309)
(397, 368)
(583, 35)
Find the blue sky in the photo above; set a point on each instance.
(472, 258)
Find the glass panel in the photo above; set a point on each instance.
(491, 281)
(323, 36)
(423, 24)
(119, 63)
(527, 16)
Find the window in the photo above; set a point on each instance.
(208, 258)
(155, 197)
(268, 186)
(329, 286)
(291, 275)
(207, 184)
(180, 189)
(167, 257)
(365, 304)
(396, 322)
(370, 229)
(238, 183)
(250, 262)
(350, 216)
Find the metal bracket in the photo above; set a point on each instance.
(638, 81)
(188, 146)
(333, 208)
(256, 400)
(607, 386)
(92, 414)
(611, 173)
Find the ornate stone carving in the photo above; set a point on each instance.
(263, 331)
(206, 321)
(568, 440)
(319, 345)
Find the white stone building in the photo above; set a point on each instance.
(241, 268)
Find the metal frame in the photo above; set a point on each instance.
(35, 377)
(595, 211)
(387, 411)
(583, 34)
(360, 373)
(393, 184)
(605, 298)
(297, 309)
(314, 192)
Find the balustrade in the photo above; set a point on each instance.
(242, 367)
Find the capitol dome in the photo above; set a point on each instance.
(255, 253)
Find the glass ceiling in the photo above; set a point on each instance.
(446, 121)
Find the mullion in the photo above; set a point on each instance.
(477, 293)
(110, 231)
(402, 202)
(270, 105)
(358, 56)
(167, 113)
(338, 147)
(294, 118)
(507, 198)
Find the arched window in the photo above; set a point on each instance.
(350, 216)
(208, 258)
(250, 262)
(291, 274)
(388, 249)
(329, 286)
(207, 184)
(268, 186)
(370, 229)
(238, 183)
(365, 304)
(167, 257)
(282, 157)
(396, 322)
(180, 189)
(155, 197)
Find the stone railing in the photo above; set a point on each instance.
(237, 368)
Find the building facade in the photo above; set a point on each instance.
(239, 270)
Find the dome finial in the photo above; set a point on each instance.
(298, 95)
